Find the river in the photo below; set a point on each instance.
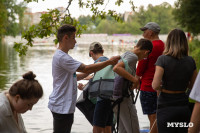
(38, 60)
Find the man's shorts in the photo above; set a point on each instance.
(149, 102)
(103, 114)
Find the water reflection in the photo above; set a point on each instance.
(8, 65)
(38, 60)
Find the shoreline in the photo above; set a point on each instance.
(86, 39)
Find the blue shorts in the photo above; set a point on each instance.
(103, 114)
(149, 102)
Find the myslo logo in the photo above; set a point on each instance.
(179, 124)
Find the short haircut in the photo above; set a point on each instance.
(96, 48)
(145, 44)
(155, 33)
(27, 88)
(176, 44)
(65, 30)
(100, 51)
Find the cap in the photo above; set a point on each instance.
(95, 46)
(151, 26)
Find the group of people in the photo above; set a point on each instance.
(163, 74)
(103, 112)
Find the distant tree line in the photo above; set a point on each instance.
(11, 16)
(162, 14)
(184, 14)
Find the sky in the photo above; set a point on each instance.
(75, 11)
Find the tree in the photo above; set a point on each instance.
(9, 12)
(194, 51)
(52, 20)
(161, 14)
(3, 17)
(187, 14)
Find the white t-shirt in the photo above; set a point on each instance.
(63, 98)
(195, 93)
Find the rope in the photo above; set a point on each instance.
(153, 125)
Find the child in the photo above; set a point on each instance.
(103, 114)
(128, 120)
(20, 98)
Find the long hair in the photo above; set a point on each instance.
(176, 44)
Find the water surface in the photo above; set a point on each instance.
(38, 60)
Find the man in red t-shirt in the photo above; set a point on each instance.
(145, 71)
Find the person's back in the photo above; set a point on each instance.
(175, 72)
(128, 120)
(131, 58)
(103, 115)
(178, 72)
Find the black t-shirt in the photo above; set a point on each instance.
(177, 72)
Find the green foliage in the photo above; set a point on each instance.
(134, 22)
(49, 24)
(52, 20)
(13, 29)
(20, 48)
(28, 1)
(103, 21)
(194, 51)
(187, 14)
(3, 17)
(161, 14)
(94, 7)
(9, 11)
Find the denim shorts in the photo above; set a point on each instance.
(148, 102)
(103, 114)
